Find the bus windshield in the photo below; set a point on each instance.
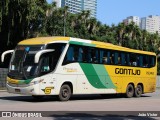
(22, 63)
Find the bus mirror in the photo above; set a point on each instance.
(38, 54)
(5, 53)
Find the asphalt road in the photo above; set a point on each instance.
(81, 105)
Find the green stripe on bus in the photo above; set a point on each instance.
(24, 81)
(97, 75)
(104, 76)
(91, 75)
(83, 44)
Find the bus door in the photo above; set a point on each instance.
(46, 67)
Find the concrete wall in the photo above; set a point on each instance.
(3, 75)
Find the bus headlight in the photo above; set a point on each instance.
(36, 82)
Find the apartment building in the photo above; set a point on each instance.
(130, 19)
(151, 24)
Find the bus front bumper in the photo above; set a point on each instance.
(28, 90)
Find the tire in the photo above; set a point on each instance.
(129, 91)
(138, 91)
(65, 93)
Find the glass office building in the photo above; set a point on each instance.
(76, 6)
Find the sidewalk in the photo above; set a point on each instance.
(3, 89)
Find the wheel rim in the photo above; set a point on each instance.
(65, 93)
(130, 91)
(139, 90)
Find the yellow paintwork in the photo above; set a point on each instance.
(116, 47)
(42, 40)
(13, 81)
(122, 80)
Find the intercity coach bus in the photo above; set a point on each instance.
(66, 66)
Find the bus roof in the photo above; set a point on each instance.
(42, 40)
(46, 40)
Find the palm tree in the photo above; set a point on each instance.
(84, 15)
(50, 9)
(92, 24)
(153, 42)
(121, 31)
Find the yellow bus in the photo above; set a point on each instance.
(66, 66)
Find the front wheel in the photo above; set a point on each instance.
(65, 93)
(138, 91)
(129, 91)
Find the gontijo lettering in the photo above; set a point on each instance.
(127, 71)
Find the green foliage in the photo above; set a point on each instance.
(20, 19)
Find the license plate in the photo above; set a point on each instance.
(17, 90)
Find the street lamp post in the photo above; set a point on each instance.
(64, 26)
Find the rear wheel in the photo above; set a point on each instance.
(129, 91)
(138, 91)
(65, 93)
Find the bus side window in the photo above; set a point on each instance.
(146, 61)
(133, 59)
(109, 57)
(123, 59)
(128, 62)
(101, 59)
(151, 61)
(137, 60)
(116, 58)
(45, 65)
(80, 54)
(70, 54)
(86, 55)
(75, 53)
(69, 57)
(94, 55)
(140, 62)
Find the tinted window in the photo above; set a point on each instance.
(84, 54)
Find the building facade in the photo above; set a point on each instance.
(76, 6)
(151, 24)
(130, 19)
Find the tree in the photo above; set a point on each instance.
(121, 28)
(20, 19)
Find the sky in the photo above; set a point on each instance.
(114, 11)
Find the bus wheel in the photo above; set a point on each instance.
(129, 91)
(138, 91)
(65, 93)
